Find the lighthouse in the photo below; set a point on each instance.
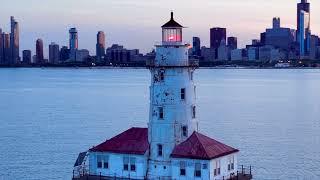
(173, 113)
(171, 147)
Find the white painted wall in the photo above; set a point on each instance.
(116, 165)
(206, 174)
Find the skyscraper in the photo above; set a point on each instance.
(14, 41)
(6, 48)
(303, 27)
(232, 43)
(73, 39)
(26, 56)
(1, 47)
(196, 48)
(216, 36)
(39, 52)
(101, 45)
(54, 53)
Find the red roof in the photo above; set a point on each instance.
(199, 146)
(132, 141)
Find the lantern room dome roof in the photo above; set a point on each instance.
(172, 23)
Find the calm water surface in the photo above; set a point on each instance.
(47, 116)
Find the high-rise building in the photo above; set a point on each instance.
(14, 41)
(232, 43)
(26, 56)
(6, 49)
(73, 39)
(196, 48)
(101, 46)
(216, 36)
(54, 53)
(303, 27)
(64, 53)
(1, 47)
(39, 51)
(279, 37)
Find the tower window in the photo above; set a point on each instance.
(161, 113)
(184, 131)
(197, 170)
(193, 112)
(160, 150)
(182, 168)
(102, 162)
(161, 76)
(183, 94)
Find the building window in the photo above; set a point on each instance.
(106, 162)
(160, 150)
(184, 131)
(183, 94)
(231, 163)
(99, 161)
(103, 162)
(126, 163)
(197, 170)
(161, 113)
(182, 168)
(191, 76)
(217, 168)
(193, 112)
(205, 166)
(161, 75)
(132, 164)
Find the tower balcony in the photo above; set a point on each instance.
(191, 63)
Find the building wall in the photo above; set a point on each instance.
(116, 163)
(224, 172)
(208, 172)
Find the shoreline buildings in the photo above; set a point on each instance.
(172, 146)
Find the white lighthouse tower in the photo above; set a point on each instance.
(172, 99)
(171, 147)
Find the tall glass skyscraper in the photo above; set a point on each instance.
(196, 48)
(14, 41)
(101, 45)
(39, 51)
(216, 36)
(303, 27)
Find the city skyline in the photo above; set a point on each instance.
(120, 26)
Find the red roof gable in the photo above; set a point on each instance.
(132, 141)
(199, 146)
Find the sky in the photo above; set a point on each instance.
(136, 23)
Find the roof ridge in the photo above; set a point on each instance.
(199, 139)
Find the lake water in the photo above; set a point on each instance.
(48, 116)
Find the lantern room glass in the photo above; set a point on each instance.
(172, 35)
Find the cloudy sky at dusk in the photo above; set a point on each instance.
(136, 23)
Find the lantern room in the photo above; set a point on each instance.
(172, 31)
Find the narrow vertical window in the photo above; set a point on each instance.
(160, 150)
(183, 93)
(106, 162)
(193, 112)
(184, 131)
(182, 168)
(126, 163)
(161, 76)
(132, 164)
(161, 113)
(99, 161)
(197, 170)
(217, 168)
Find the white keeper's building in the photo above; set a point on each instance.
(172, 146)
